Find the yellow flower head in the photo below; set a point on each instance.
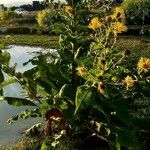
(81, 71)
(144, 64)
(68, 9)
(128, 81)
(119, 12)
(120, 27)
(95, 23)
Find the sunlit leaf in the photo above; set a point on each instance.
(7, 82)
(4, 57)
(17, 101)
(83, 94)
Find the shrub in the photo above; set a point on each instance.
(18, 30)
(45, 18)
(136, 11)
(7, 14)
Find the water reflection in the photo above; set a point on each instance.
(9, 133)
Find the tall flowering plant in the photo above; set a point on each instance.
(102, 84)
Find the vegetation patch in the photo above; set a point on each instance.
(44, 41)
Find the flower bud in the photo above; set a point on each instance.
(127, 53)
(101, 88)
(100, 78)
(103, 62)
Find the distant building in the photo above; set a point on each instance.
(36, 5)
(2, 7)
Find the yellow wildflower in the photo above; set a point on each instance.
(81, 71)
(144, 64)
(120, 27)
(119, 12)
(68, 9)
(128, 81)
(95, 23)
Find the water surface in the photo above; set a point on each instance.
(10, 133)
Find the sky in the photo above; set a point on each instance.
(16, 2)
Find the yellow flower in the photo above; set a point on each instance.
(95, 23)
(81, 71)
(144, 64)
(68, 9)
(119, 12)
(128, 81)
(120, 27)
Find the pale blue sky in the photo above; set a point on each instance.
(17, 2)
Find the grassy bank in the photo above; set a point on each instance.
(30, 40)
(136, 44)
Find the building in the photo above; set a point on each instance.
(36, 5)
(2, 7)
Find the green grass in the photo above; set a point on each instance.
(137, 45)
(26, 143)
(30, 40)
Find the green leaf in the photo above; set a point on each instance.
(98, 46)
(4, 57)
(62, 90)
(44, 146)
(118, 146)
(12, 119)
(83, 95)
(7, 82)
(17, 101)
(127, 138)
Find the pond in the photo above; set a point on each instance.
(10, 133)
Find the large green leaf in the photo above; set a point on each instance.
(83, 95)
(7, 82)
(17, 101)
(127, 138)
(4, 57)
